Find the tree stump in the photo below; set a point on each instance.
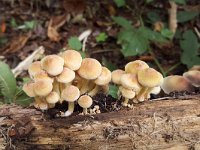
(172, 124)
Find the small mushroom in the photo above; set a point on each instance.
(52, 64)
(176, 83)
(195, 67)
(127, 94)
(116, 76)
(42, 75)
(34, 68)
(193, 76)
(72, 59)
(42, 87)
(28, 88)
(85, 102)
(134, 66)
(70, 94)
(40, 103)
(52, 98)
(66, 76)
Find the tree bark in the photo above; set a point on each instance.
(166, 124)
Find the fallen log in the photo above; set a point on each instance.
(172, 124)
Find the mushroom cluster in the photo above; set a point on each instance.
(66, 77)
(137, 81)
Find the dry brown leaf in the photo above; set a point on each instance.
(74, 6)
(158, 26)
(17, 43)
(54, 24)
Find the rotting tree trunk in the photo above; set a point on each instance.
(167, 124)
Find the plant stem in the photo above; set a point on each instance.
(172, 68)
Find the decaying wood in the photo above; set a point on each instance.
(166, 124)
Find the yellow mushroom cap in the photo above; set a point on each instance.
(90, 69)
(66, 76)
(85, 101)
(104, 78)
(52, 64)
(127, 93)
(42, 75)
(116, 76)
(193, 76)
(130, 81)
(195, 67)
(135, 66)
(176, 83)
(52, 98)
(156, 90)
(34, 68)
(28, 88)
(42, 87)
(72, 59)
(149, 77)
(70, 93)
(43, 106)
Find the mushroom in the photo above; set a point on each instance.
(102, 81)
(52, 64)
(52, 98)
(148, 78)
(66, 76)
(42, 75)
(193, 76)
(34, 68)
(116, 76)
(72, 59)
(135, 66)
(176, 83)
(127, 94)
(40, 103)
(85, 102)
(70, 94)
(90, 69)
(195, 67)
(42, 88)
(28, 88)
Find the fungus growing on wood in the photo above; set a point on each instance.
(193, 76)
(85, 102)
(134, 66)
(127, 94)
(42, 75)
(116, 76)
(66, 76)
(42, 88)
(34, 68)
(52, 98)
(28, 88)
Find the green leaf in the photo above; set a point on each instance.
(113, 91)
(120, 3)
(101, 37)
(108, 64)
(190, 46)
(121, 21)
(167, 33)
(7, 82)
(74, 43)
(153, 16)
(182, 2)
(13, 23)
(184, 16)
(30, 25)
(149, 1)
(22, 99)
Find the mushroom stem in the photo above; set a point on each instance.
(85, 86)
(61, 88)
(125, 102)
(85, 111)
(94, 91)
(56, 87)
(70, 109)
(141, 95)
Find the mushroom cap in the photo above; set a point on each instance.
(70, 93)
(85, 101)
(156, 90)
(176, 83)
(130, 81)
(116, 76)
(193, 76)
(28, 88)
(43, 106)
(66, 76)
(135, 66)
(42, 75)
(53, 97)
(90, 69)
(149, 77)
(195, 67)
(72, 59)
(104, 78)
(52, 64)
(34, 68)
(42, 87)
(127, 93)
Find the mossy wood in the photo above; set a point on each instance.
(166, 124)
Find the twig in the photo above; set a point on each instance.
(197, 32)
(173, 16)
(83, 37)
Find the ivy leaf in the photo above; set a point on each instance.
(120, 3)
(101, 37)
(167, 33)
(121, 21)
(183, 16)
(113, 91)
(7, 82)
(74, 43)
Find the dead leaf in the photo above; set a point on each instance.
(158, 26)
(111, 10)
(54, 24)
(18, 43)
(3, 27)
(74, 6)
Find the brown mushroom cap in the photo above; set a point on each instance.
(193, 76)
(104, 78)
(85, 101)
(66, 76)
(52, 64)
(42, 87)
(42, 75)
(34, 68)
(150, 78)
(127, 93)
(72, 59)
(90, 69)
(52, 98)
(116, 76)
(176, 83)
(130, 81)
(135, 66)
(28, 88)
(195, 67)
(70, 93)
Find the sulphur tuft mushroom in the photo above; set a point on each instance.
(52, 97)
(28, 88)
(42, 88)
(127, 94)
(193, 76)
(85, 102)
(34, 68)
(134, 66)
(116, 76)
